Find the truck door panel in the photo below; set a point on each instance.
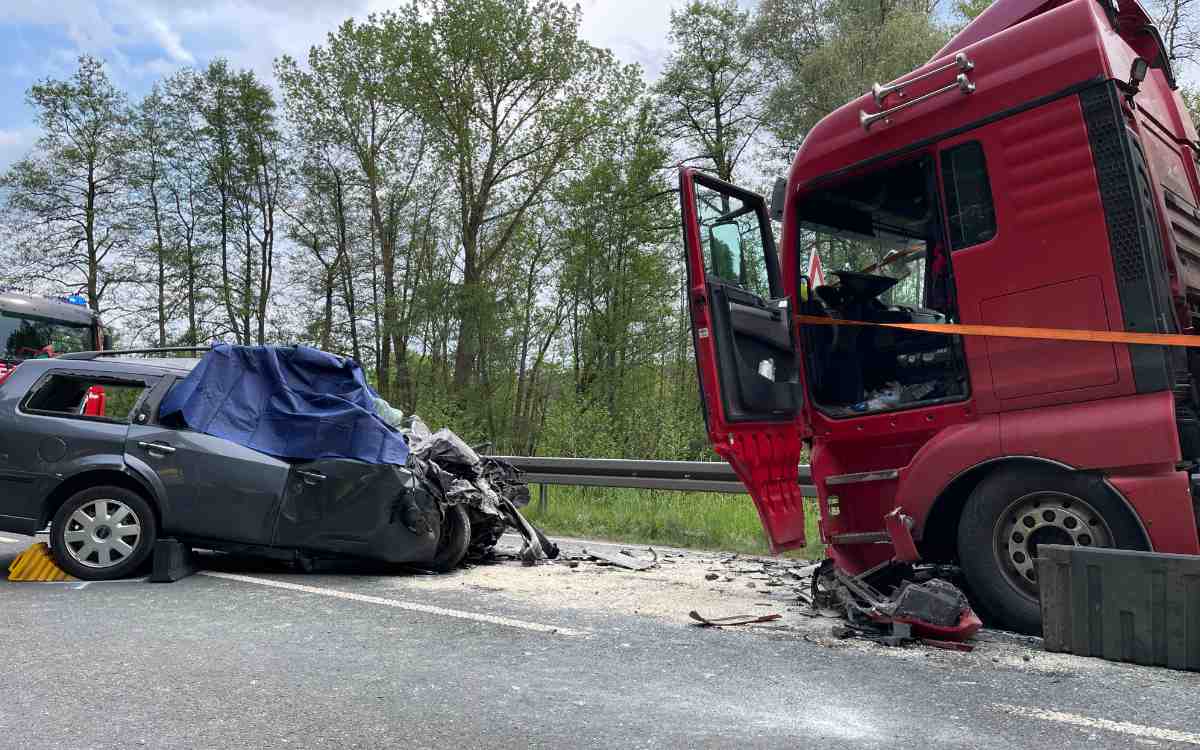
(748, 364)
(1047, 264)
(1077, 304)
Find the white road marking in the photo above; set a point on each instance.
(1122, 727)
(9, 540)
(396, 603)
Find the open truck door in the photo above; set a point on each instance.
(746, 352)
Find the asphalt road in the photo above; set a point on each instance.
(252, 655)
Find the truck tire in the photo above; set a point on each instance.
(453, 539)
(103, 533)
(1016, 509)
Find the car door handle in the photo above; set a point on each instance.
(311, 477)
(156, 447)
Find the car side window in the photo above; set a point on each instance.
(969, 207)
(84, 397)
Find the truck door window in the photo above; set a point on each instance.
(881, 237)
(969, 208)
(732, 240)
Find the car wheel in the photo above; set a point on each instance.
(1011, 513)
(453, 540)
(102, 533)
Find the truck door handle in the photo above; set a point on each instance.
(311, 478)
(153, 448)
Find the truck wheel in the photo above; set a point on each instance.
(1016, 509)
(453, 540)
(102, 533)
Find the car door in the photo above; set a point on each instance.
(337, 505)
(215, 489)
(53, 437)
(746, 354)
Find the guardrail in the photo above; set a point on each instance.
(683, 476)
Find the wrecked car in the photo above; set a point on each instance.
(272, 451)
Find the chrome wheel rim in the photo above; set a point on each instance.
(1043, 518)
(102, 533)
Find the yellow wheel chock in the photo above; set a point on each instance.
(36, 564)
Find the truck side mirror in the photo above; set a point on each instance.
(778, 196)
(1137, 74)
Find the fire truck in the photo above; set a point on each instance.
(1039, 172)
(32, 327)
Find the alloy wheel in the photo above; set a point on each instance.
(102, 533)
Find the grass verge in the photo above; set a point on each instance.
(701, 520)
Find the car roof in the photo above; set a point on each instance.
(118, 365)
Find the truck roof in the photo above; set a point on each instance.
(44, 307)
(1023, 52)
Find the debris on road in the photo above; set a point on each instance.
(920, 604)
(718, 622)
(623, 559)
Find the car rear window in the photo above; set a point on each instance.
(75, 395)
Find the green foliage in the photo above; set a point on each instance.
(67, 199)
(710, 92)
(1191, 100)
(828, 52)
(679, 519)
(969, 10)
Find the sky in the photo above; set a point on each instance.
(143, 40)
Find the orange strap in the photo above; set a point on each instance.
(1017, 332)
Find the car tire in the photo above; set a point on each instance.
(1016, 509)
(453, 539)
(103, 533)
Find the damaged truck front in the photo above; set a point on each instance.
(1040, 171)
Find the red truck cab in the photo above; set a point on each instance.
(1040, 171)
(34, 327)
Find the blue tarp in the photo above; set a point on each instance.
(291, 402)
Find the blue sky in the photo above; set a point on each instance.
(142, 40)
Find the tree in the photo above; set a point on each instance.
(68, 198)
(149, 163)
(969, 10)
(509, 93)
(826, 52)
(354, 96)
(259, 169)
(1179, 23)
(711, 91)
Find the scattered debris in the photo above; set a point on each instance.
(711, 577)
(490, 489)
(623, 559)
(920, 605)
(717, 622)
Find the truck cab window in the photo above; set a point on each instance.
(969, 209)
(881, 237)
(732, 240)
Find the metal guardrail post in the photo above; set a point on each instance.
(542, 504)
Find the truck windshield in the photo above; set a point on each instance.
(882, 224)
(25, 337)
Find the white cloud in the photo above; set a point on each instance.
(169, 41)
(634, 30)
(252, 33)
